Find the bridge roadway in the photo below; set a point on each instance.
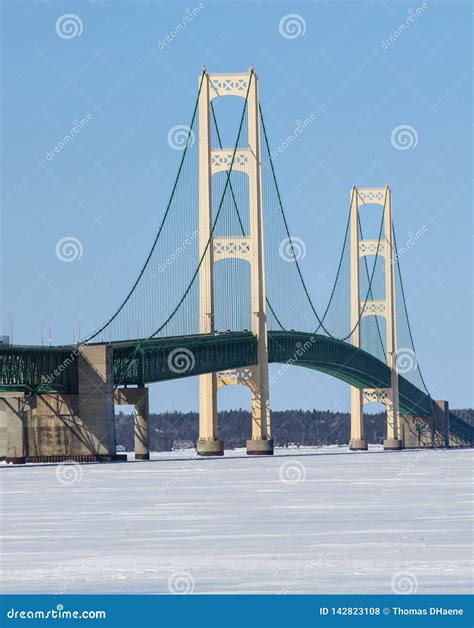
(42, 369)
(46, 369)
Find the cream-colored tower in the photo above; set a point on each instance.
(249, 248)
(384, 307)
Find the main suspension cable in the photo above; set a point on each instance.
(402, 290)
(141, 342)
(168, 207)
(339, 267)
(321, 324)
(303, 283)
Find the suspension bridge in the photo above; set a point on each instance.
(221, 294)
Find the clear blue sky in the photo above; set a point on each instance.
(353, 69)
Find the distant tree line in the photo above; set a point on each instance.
(176, 430)
(466, 413)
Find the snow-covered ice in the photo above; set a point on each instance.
(305, 521)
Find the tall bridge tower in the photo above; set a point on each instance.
(249, 247)
(384, 307)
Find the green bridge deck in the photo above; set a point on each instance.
(54, 369)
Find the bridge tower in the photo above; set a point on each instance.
(250, 248)
(384, 307)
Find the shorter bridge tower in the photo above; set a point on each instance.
(384, 307)
(249, 247)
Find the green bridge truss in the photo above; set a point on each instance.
(54, 369)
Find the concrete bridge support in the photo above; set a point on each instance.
(95, 397)
(441, 432)
(137, 397)
(13, 410)
(417, 432)
(432, 431)
(50, 427)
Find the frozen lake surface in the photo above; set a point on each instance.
(305, 521)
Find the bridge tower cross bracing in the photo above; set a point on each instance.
(384, 307)
(249, 248)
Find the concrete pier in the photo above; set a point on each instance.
(210, 447)
(392, 444)
(260, 447)
(51, 427)
(95, 397)
(137, 397)
(13, 410)
(431, 431)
